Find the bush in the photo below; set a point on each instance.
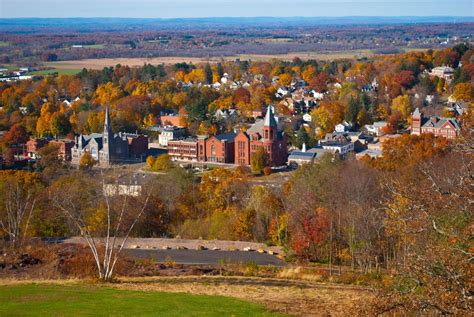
(267, 170)
(162, 162)
(150, 161)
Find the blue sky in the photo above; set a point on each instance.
(232, 8)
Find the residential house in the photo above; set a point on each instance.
(169, 133)
(343, 127)
(445, 72)
(376, 129)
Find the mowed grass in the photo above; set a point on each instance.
(96, 300)
(59, 71)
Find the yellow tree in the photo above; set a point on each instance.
(285, 79)
(463, 92)
(402, 105)
(309, 73)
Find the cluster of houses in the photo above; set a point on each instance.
(7, 75)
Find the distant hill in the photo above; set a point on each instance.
(12, 25)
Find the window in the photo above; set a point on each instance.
(213, 150)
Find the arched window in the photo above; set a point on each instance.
(213, 150)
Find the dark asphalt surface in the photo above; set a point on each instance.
(206, 256)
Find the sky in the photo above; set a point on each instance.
(232, 8)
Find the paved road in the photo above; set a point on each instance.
(206, 256)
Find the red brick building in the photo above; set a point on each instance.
(218, 148)
(183, 149)
(35, 144)
(445, 127)
(137, 145)
(264, 133)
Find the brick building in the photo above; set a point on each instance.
(35, 144)
(218, 148)
(264, 133)
(183, 149)
(235, 148)
(445, 127)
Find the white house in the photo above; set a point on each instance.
(343, 127)
(317, 95)
(307, 117)
(281, 92)
(376, 129)
(168, 134)
(338, 147)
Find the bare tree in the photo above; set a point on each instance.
(18, 194)
(102, 212)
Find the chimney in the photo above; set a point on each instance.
(303, 148)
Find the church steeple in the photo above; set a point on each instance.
(106, 140)
(107, 126)
(269, 125)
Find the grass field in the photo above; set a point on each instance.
(98, 46)
(59, 71)
(93, 300)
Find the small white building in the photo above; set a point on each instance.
(343, 127)
(307, 117)
(170, 133)
(376, 129)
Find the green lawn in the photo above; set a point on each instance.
(59, 71)
(94, 300)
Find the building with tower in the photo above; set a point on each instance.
(109, 148)
(266, 133)
(445, 127)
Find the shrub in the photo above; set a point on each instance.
(162, 162)
(267, 170)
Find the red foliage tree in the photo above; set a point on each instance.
(308, 239)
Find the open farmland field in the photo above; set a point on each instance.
(86, 300)
(100, 63)
(65, 71)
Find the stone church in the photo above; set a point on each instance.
(109, 148)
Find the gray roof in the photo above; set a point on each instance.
(436, 122)
(229, 136)
(302, 156)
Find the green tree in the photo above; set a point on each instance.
(259, 160)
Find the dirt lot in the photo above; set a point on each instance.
(297, 298)
(105, 62)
